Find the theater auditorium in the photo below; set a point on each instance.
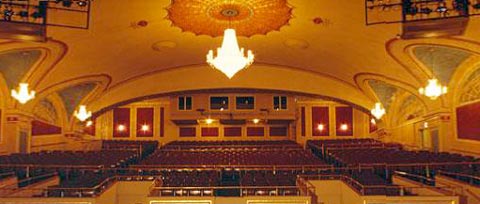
(239, 102)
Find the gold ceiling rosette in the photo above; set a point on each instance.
(212, 17)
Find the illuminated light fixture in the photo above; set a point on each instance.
(256, 121)
(344, 127)
(378, 111)
(145, 128)
(425, 125)
(23, 95)
(208, 121)
(373, 121)
(82, 114)
(121, 128)
(89, 123)
(230, 57)
(321, 127)
(433, 89)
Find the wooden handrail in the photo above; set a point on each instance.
(11, 173)
(458, 174)
(221, 187)
(401, 173)
(37, 177)
(416, 164)
(227, 149)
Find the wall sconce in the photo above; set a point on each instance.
(121, 128)
(145, 128)
(321, 127)
(344, 127)
(256, 121)
(89, 123)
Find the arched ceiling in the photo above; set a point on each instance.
(134, 41)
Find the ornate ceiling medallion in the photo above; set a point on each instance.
(212, 17)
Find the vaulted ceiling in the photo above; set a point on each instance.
(318, 47)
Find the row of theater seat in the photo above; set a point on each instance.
(245, 143)
(109, 158)
(321, 147)
(392, 156)
(145, 147)
(232, 158)
(211, 178)
(387, 159)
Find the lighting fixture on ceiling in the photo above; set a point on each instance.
(230, 57)
(378, 111)
(433, 89)
(82, 114)
(23, 95)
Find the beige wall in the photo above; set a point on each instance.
(337, 192)
(470, 191)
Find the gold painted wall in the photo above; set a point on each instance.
(263, 110)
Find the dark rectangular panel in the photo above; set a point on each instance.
(41, 128)
(219, 103)
(344, 116)
(302, 119)
(245, 103)
(209, 131)
(256, 131)
(145, 118)
(232, 131)
(162, 121)
(280, 103)
(279, 131)
(284, 122)
(232, 121)
(188, 132)
(185, 122)
(121, 118)
(320, 121)
(468, 122)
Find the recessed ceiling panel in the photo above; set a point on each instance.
(212, 17)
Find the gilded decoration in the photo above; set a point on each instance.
(212, 17)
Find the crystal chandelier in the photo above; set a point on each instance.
(82, 114)
(23, 95)
(230, 58)
(433, 89)
(378, 111)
